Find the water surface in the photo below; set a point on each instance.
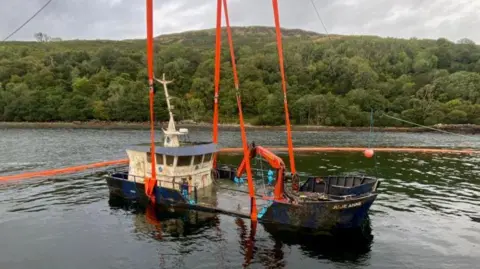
(426, 216)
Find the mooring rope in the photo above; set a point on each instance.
(263, 177)
(429, 127)
(370, 142)
(371, 133)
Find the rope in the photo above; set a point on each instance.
(25, 23)
(320, 18)
(431, 128)
(263, 177)
(330, 59)
(370, 135)
(370, 142)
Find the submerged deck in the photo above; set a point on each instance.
(343, 207)
(223, 196)
(229, 198)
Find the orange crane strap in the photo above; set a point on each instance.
(151, 182)
(218, 45)
(251, 187)
(284, 85)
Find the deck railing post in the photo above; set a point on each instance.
(195, 194)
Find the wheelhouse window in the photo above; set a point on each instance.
(207, 158)
(169, 160)
(184, 161)
(197, 159)
(158, 158)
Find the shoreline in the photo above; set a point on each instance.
(465, 128)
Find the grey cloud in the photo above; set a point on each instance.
(122, 19)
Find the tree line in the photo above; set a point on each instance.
(334, 81)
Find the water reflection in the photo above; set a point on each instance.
(266, 249)
(157, 221)
(247, 240)
(343, 246)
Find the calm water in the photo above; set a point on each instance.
(427, 215)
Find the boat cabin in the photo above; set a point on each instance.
(178, 162)
(175, 165)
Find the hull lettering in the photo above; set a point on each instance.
(344, 206)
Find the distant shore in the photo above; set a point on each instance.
(464, 128)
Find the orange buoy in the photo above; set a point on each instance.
(368, 153)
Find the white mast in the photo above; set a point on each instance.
(171, 134)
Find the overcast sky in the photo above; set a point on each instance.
(124, 19)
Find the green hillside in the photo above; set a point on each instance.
(332, 80)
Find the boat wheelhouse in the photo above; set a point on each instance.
(182, 167)
(191, 163)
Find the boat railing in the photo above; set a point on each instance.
(125, 175)
(117, 169)
(341, 187)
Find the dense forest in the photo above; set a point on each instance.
(335, 80)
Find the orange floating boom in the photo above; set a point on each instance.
(66, 170)
(355, 149)
(246, 153)
(73, 169)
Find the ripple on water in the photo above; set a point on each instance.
(10, 167)
(48, 193)
(426, 215)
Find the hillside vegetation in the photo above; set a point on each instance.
(332, 81)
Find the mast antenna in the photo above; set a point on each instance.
(167, 96)
(171, 134)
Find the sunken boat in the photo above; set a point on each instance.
(185, 178)
(183, 169)
(319, 203)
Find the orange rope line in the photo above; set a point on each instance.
(151, 182)
(218, 40)
(284, 85)
(253, 205)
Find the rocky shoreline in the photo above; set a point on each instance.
(457, 128)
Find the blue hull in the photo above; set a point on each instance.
(321, 215)
(348, 214)
(136, 191)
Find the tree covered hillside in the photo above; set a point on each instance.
(332, 80)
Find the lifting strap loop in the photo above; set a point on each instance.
(218, 45)
(284, 85)
(151, 182)
(246, 153)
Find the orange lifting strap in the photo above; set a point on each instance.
(218, 45)
(253, 203)
(284, 85)
(151, 182)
